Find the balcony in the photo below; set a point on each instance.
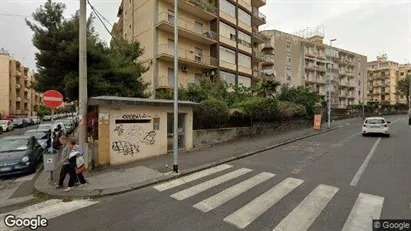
(342, 62)
(26, 89)
(269, 59)
(187, 29)
(258, 37)
(342, 73)
(259, 18)
(18, 99)
(320, 69)
(350, 74)
(344, 84)
(258, 3)
(310, 55)
(18, 74)
(166, 52)
(162, 82)
(259, 56)
(18, 112)
(201, 8)
(18, 86)
(310, 67)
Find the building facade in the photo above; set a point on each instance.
(383, 76)
(17, 98)
(298, 61)
(218, 39)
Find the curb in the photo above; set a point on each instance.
(97, 193)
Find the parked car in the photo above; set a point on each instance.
(19, 123)
(43, 136)
(19, 154)
(28, 121)
(376, 125)
(35, 119)
(47, 118)
(68, 125)
(6, 125)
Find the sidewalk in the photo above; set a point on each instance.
(118, 179)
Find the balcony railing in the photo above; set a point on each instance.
(203, 4)
(259, 36)
(18, 86)
(269, 58)
(18, 74)
(18, 98)
(166, 49)
(187, 25)
(259, 55)
(260, 16)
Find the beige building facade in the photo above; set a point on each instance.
(297, 61)
(17, 98)
(218, 39)
(383, 76)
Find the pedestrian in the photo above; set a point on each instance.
(74, 156)
(66, 166)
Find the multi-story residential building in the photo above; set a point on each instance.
(16, 96)
(296, 61)
(383, 76)
(217, 39)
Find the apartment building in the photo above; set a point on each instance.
(383, 76)
(16, 96)
(218, 39)
(297, 61)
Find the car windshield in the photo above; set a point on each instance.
(18, 121)
(375, 121)
(13, 145)
(2, 122)
(40, 135)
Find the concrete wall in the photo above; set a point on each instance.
(123, 142)
(209, 137)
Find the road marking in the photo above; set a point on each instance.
(192, 177)
(25, 178)
(228, 194)
(48, 209)
(8, 192)
(186, 193)
(366, 208)
(361, 170)
(302, 217)
(249, 212)
(16, 200)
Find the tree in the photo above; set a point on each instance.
(265, 88)
(111, 70)
(403, 87)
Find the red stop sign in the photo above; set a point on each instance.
(52, 99)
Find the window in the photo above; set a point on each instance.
(244, 17)
(227, 77)
(244, 39)
(288, 74)
(227, 8)
(245, 81)
(244, 60)
(199, 27)
(197, 78)
(227, 31)
(288, 45)
(288, 58)
(227, 55)
(402, 73)
(198, 54)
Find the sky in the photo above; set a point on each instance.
(370, 27)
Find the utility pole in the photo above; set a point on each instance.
(82, 127)
(329, 91)
(175, 137)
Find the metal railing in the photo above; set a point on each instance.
(166, 49)
(259, 15)
(259, 35)
(259, 55)
(203, 4)
(187, 25)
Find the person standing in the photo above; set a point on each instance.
(76, 152)
(66, 165)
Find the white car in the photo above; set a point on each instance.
(6, 125)
(376, 125)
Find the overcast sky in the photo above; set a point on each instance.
(367, 27)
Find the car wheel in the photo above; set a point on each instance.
(364, 134)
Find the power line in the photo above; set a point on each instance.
(98, 16)
(97, 12)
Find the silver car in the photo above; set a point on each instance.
(6, 125)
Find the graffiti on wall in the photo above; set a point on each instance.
(135, 116)
(119, 130)
(125, 148)
(137, 134)
(150, 138)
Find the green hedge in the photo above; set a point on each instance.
(211, 113)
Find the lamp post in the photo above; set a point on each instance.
(175, 136)
(329, 92)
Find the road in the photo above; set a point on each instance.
(334, 181)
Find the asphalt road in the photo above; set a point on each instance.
(335, 181)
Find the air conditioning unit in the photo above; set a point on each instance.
(184, 69)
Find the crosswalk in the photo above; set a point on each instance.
(47, 209)
(365, 208)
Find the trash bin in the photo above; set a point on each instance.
(50, 159)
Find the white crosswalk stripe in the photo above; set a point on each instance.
(209, 184)
(192, 177)
(248, 213)
(366, 208)
(301, 218)
(228, 194)
(48, 209)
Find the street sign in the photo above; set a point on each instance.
(52, 99)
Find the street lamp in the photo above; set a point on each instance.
(329, 91)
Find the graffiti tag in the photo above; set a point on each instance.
(135, 116)
(125, 148)
(150, 138)
(119, 129)
(137, 133)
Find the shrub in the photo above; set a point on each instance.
(301, 95)
(289, 110)
(211, 113)
(259, 108)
